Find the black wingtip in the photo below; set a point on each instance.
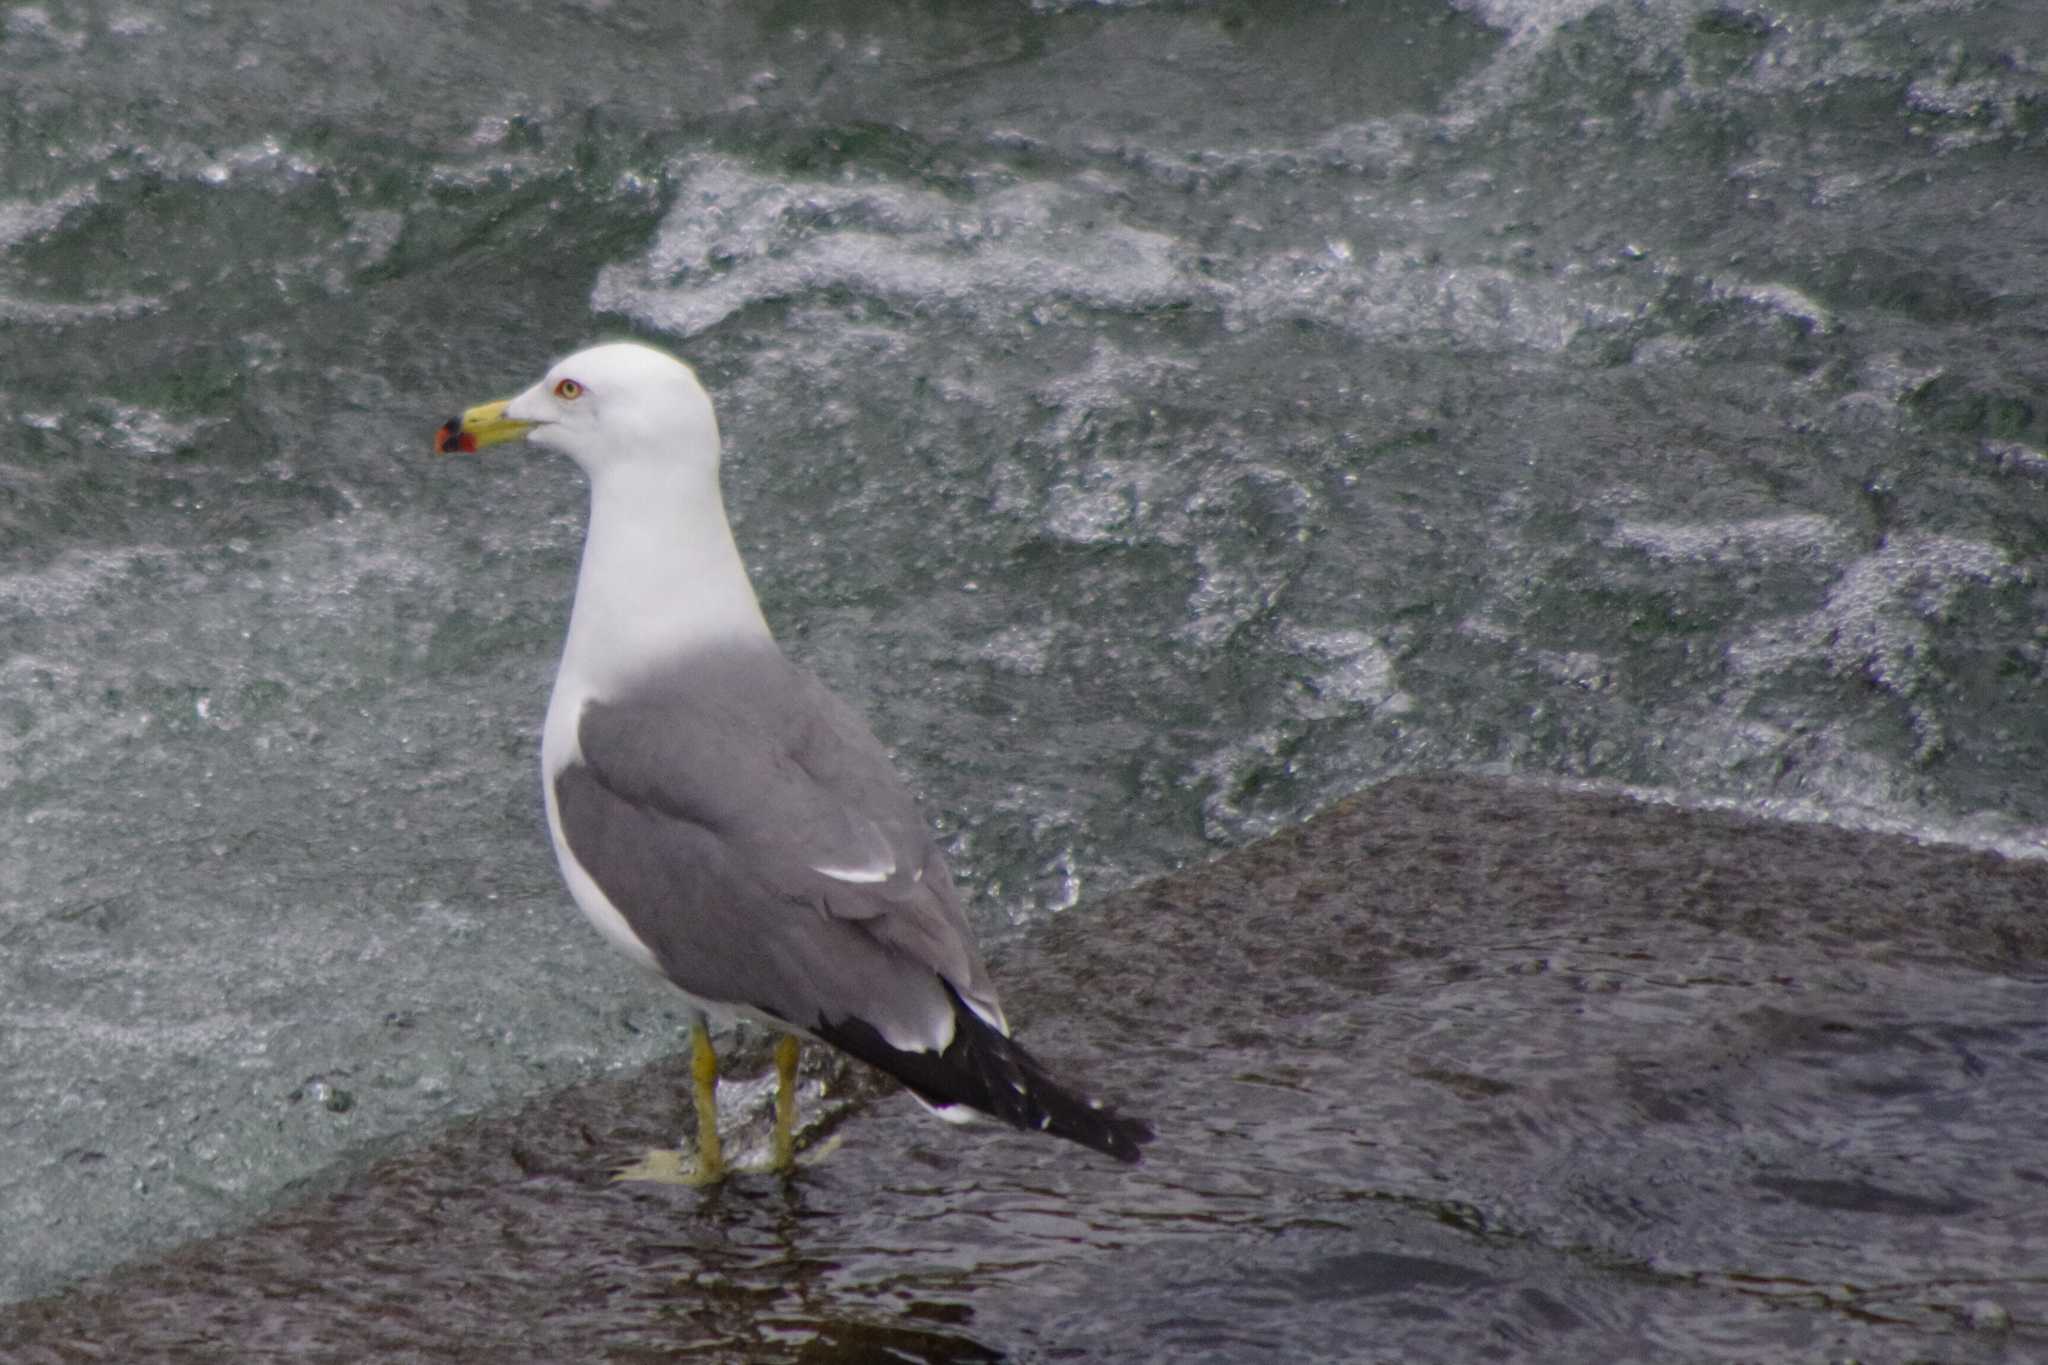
(1051, 1107)
(1119, 1135)
(992, 1073)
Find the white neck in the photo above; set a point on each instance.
(660, 577)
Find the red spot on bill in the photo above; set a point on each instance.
(452, 438)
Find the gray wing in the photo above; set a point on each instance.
(753, 833)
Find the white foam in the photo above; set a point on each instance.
(736, 237)
(1358, 671)
(1033, 253)
(23, 219)
(1794, 535)
(1874, 621)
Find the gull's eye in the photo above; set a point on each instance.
(568, 390)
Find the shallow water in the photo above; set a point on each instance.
(1162, 421)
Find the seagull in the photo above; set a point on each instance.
(718, 814)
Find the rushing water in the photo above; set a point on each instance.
(1162, 420)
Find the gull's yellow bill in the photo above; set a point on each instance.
(483, 425)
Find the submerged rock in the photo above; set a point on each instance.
(1457, 1068)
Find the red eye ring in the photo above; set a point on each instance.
(568, 390)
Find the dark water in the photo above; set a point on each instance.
(1163, 420)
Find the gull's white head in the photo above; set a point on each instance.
(609, 407)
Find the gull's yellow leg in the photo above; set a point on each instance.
(785, 1102)
(665, 1166)
(704, 1072)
